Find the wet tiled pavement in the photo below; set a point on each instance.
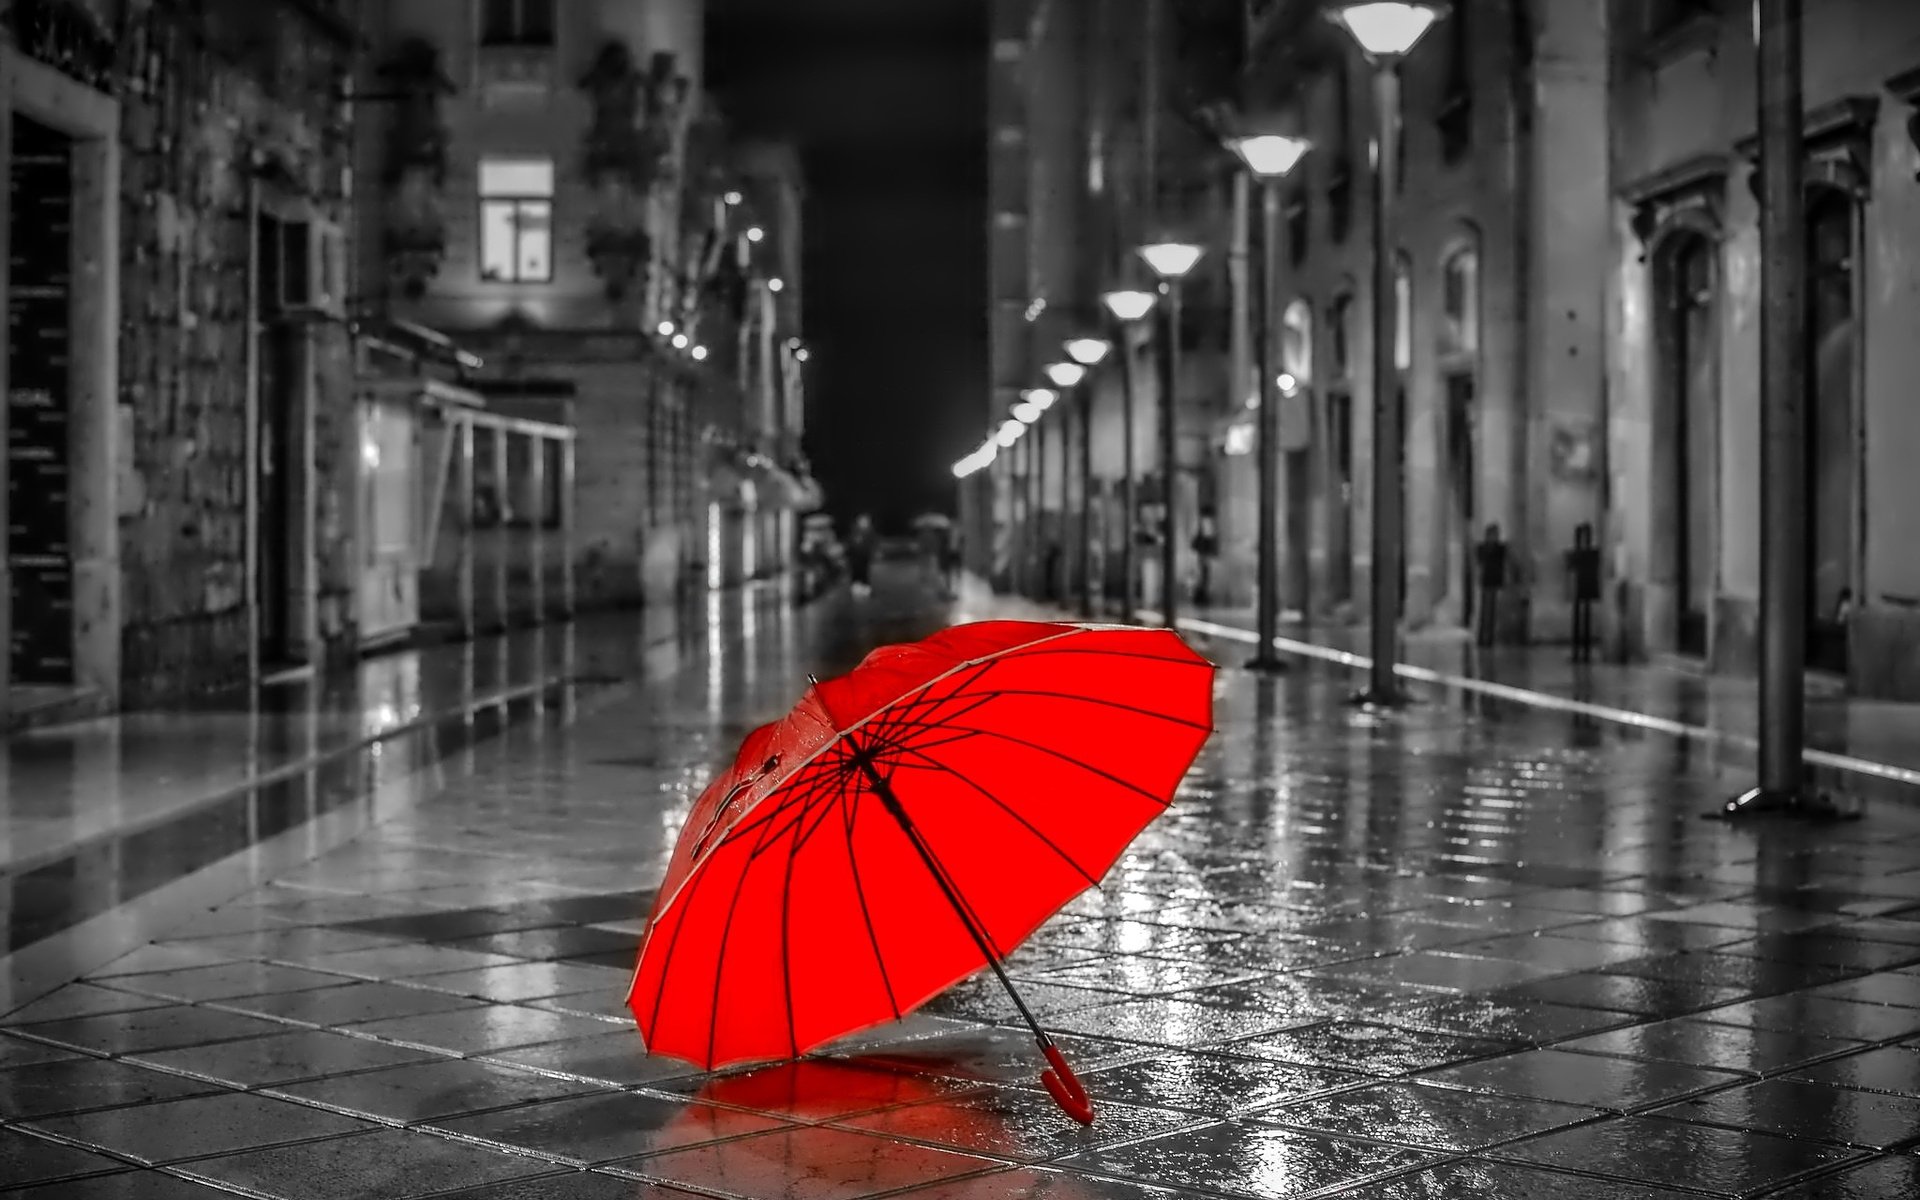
(1454, 951)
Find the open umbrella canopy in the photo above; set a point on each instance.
(907, 825)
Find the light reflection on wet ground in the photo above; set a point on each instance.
(1469, 949)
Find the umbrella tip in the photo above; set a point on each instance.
(812, 679)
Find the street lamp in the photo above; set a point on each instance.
(1269, 157)
(1386, 32)
(1089, 352)
(1065, 374)
(1170, 261)
(1127, 306)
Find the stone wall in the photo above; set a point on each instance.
(206, 89)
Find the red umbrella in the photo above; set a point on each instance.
(908, 824)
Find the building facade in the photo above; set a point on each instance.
(556, 194)
(1577, 308)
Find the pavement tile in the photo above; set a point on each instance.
(1712, 1044)
(1473, 1179)
(26, 1159)
(1215, 1084)
(1880, 1179)
(1900, 989)
(173, 1130)
(1410, 1114)
(78, 1000)
(16, 1052)
(483, 1030)
(1621, 1084)
(281, 1058)
(328, 1007)
(407, 960)
(806, 1163)
(148, 1029)
(224, 981)
(1169, 1021)
(1816, 1111)
(1041, 1183)
(1680, 1154)
(615, 1059)
(1625, 993)
(1441, 971)
(385, 1163)
(1248, 1160)
(422, 1091)
(523, 981)
(812, 1091)
(77, 1084)
(607, 1126)
(123, 1185)
(568, 1184)
(163, 956)
(1369, 1048)
(1894, 1069)
(1015, 1123)
(1530, 1023)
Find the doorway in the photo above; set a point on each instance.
(1831, 336)
(39, 406)
(1692, 368)
(1340, 505)
(278, 481)
(1461, 515)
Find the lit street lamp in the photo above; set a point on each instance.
(1127, 306)
(1170, 261)
(1385, 33)
(1088, 352)
(1270, 158)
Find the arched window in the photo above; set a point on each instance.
(1340, 335)
(1402, 313)
(1296, 342)
(1460, 303)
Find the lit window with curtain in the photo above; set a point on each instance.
(1402, 313)
(1296, 342)
(516, 220)
(1460, 303)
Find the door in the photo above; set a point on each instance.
(39, 453)
(1461, 517)
(277, 379)
(1830, 426)
(1693, 366)
(1340, 503)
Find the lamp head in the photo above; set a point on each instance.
(1088, 351)
(1128, 304)
(1270, 155)
(1171, 260)
(1386, 29)
(1066, 374)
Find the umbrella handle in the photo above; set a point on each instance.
(1064, 1086)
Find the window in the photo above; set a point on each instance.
(1340, 335)
(516, 220)
(516, 22)
(1402, 314)
(1460, 303)
(1296, 342)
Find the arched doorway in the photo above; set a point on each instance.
(1831, 375)
(1459, 388)
(1690, 365)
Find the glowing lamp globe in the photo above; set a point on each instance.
(1386, 29)
(1066, 374)
(1171, 260)
(1129, 305)
(1088, 351)
(1270, 155)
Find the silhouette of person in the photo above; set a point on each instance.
(1494, 566)
(1583, 574)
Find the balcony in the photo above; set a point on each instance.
(508, 74)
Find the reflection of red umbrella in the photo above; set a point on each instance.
(906, 825)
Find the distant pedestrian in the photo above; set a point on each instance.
(1583, 574)
(1494, 567)
(950, 562)
(1206, 547)
(860, 548)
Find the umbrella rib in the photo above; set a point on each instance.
(866, 911)
(936, 765)
(1103, 652)
(1068, 758)
(1082, 698)
(726, 935)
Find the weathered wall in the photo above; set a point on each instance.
(196, 107)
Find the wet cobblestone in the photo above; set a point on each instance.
(1446, 952)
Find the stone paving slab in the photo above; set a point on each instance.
(1439, 953)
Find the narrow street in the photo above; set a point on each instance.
(1472, 949)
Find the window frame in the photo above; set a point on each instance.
(515, 203)
(518, 34)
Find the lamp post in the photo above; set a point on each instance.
(1270, 158)
(1066, 376)
(1127, 306)
(1170, 261)
(1088, 352)
(1385, 33)
(1038, 401)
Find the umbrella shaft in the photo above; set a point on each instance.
(892, 805)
